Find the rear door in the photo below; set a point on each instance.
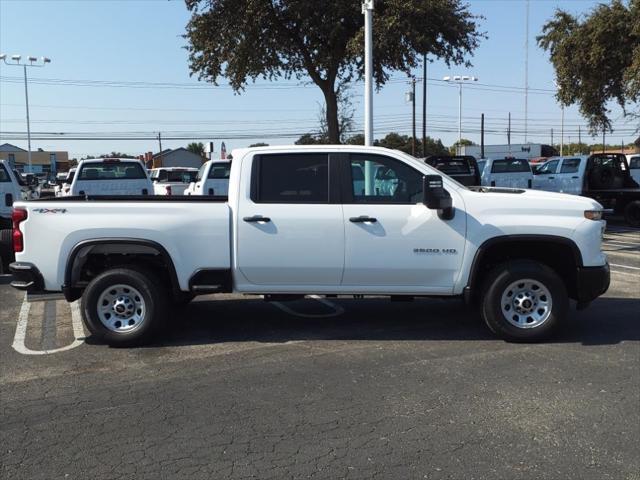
(545, 177)
(393, 242)
(290, 230)
(511, 173)
(567, 178)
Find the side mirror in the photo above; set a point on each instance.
(435, 197)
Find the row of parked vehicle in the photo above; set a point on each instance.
(120, 176)
(611, 179)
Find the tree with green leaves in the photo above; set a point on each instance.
(463, 142)
(197, 148)
(259, 144)
(243, 40)
(596, 59)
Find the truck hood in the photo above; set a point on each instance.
(529, 199)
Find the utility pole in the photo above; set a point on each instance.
(579, 139)
(562, 132)
(424, 106)
(367, 10)
(604, 130)
(160, 142)
(32, 63)
(413, 108)
(509, 133)
(482, 136)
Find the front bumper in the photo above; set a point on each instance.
(26, 277)
(591, 282)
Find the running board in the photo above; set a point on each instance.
(43, 297)
(207, 288)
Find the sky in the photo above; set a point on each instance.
(118, 67)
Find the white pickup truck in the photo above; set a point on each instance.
(172, 180)
(212, 179)
(505, 172)
(111, 176)
(295, 223)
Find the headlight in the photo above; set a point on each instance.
(593, 214)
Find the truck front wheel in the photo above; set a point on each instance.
(124, 307)
(524, 301)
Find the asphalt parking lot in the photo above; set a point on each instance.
(337, 388)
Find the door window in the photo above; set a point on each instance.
(220, 171)
(548, 168)
(377, 179)
(634, 164)
(4, 176)
(291, 178)
(570, 165)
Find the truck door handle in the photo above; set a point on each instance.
(575, 178)
(256, 218)
(552, 178)
(363, 219)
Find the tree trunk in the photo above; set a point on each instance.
(333, 126)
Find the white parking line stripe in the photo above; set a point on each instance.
(635, 275)
(21, 331)
(619, 242)
(624, 266)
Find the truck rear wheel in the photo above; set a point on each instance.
(124, 307)
(632, 213)
(524, 301)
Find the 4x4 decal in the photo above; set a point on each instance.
(50, 210)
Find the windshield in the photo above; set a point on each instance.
(183, 176)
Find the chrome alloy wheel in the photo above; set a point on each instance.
(121, 308)
(526, 303)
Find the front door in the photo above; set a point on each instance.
(393, 242)
(568, 178)
(290, 236)
(545, 177)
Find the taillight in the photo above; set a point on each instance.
(17, 217)
(168, 189)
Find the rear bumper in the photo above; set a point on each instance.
(26, 277)
(592, 282)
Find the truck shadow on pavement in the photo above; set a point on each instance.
(207, 321)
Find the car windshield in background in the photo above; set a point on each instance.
(112, 171)
(220, 170)
(510, 165)
(453, 167)
(183, 176)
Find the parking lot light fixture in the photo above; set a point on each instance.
(33, 62)
(460, 79)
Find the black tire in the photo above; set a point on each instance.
(153, 300)
(545, 320)
(6, 251)
(632, 213)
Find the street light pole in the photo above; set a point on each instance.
(32, 63)
(460, 79)
(367, 10)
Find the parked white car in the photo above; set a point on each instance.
(10, 192)
(111, 176)
(634, 166)
(505, 172)
(297, 223)
(63, 189)
(212, 179)
(172, 180)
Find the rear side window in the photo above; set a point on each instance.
(634, 162)
(112, 171)
(292, 178)
(570, 165)
(510, 165)
(220, 170)
(4, 176)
